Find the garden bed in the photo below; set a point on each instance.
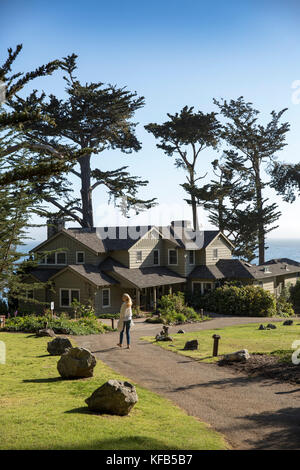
(270, 366)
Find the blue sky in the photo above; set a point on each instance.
(174, 53)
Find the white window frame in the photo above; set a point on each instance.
(27, 291)
(80, 262)
(109, 303)
(189, 252)
(55, 256)
(202, 283)
(172, 264)
(137, 256)
(158, 257)
(70, 298)
(217, 253)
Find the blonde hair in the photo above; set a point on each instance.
(128, 299)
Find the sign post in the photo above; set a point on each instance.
(52, 308)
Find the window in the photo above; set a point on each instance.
(29, 294)
(197, 289)
(215, 253)
(61, 257)
(67, 296)
(105, 297)
(80, 257)
(55, 258)
(173, 257)
(50, 259)
(155, 257)
(139, 256)
(191, 257)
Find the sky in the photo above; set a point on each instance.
(174, 53)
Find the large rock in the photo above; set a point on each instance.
(271, 326)
(46, 332)
(76, 362)
(191, 345)
(113, 397)
(288, 322)
(58, 346)
(238, 356)
(163, 338)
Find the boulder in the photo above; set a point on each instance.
(271, 326)
(163, 338)
(181, 332)
(288, 322)
(262, 327)
(58, 346)
(76, 362)
(191, 345)
(46, 332)
(114, 397)
(238, 356)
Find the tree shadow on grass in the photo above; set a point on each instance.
(42, 381)
(282, 429)
(124, 443)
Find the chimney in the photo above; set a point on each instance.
(54, 226)
(181, 223)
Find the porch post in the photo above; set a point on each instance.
(154, 298)
(170, 289)
(138, 298)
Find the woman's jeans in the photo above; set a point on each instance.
(126, 325)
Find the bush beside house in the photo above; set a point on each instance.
(248, 301)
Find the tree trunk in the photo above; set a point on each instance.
(260, 224)
(194, 202)
(86, 192)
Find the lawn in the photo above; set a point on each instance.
(39, 410)
(234, 338)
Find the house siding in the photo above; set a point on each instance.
(64, 243)
(224, 251)
(147, 247)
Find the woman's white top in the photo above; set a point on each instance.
(125, 312)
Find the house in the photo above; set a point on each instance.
(100, 264)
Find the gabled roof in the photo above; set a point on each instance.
(44, 274)
(106, 239)
(239, 269)
(90, 272)
(142, 277)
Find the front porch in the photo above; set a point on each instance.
(147, 298)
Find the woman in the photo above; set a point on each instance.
(125, 319)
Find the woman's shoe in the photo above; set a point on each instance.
(119, 344)
(128, 347)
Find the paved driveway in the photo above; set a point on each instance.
(252, 413)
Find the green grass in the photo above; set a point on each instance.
(38, 410)
(233, 338)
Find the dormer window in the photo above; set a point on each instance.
(173, 257)
(80, 257)
(215, 253)
(191, 256)
(155, 257)
(61, 257)
(267, 270)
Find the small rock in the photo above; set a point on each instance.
(262, 327)
(181, 332)
(113, 397)
(46, 332)
(271, 326)
(191, 345)
(163, 338)
(76, 363)
(58, 346)
(238, 356)
(288, 322)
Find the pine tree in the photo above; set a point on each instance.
(92, 118)
(251, 145)
(183, 137)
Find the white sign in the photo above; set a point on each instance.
(2, 352)
(52, 306)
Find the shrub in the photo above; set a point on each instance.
(252, 301)
(173, 309)
(284, 307)
(31, 324)
(295, 296)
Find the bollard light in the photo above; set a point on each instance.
(216, 339)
